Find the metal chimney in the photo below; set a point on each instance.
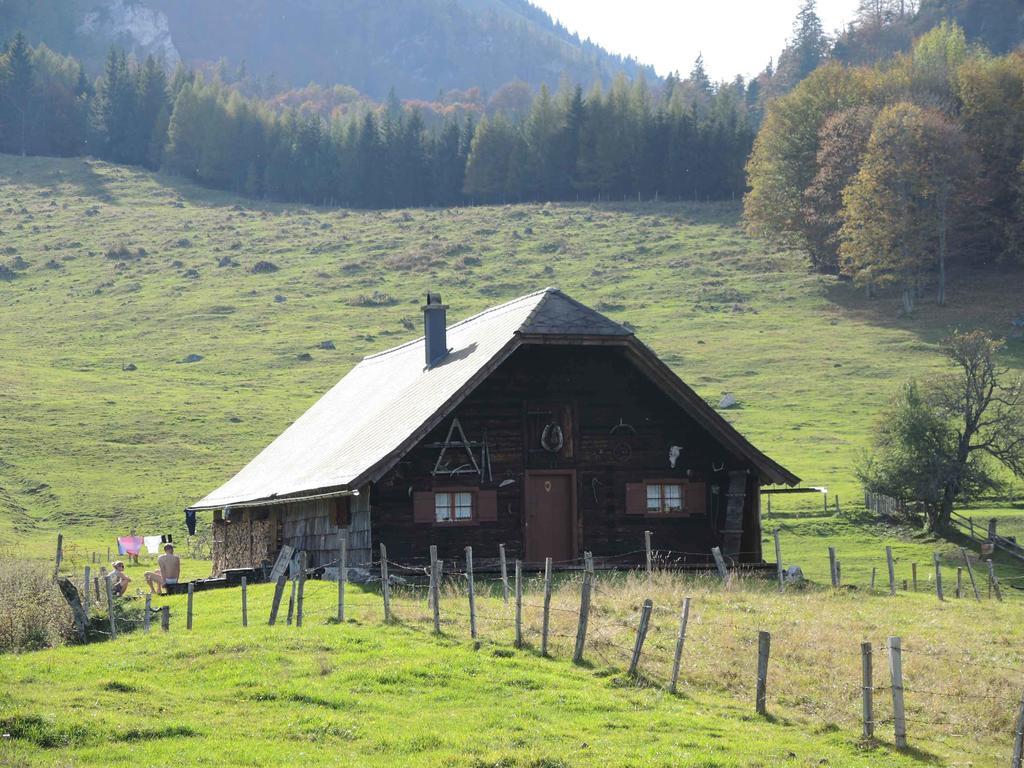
(434, 329)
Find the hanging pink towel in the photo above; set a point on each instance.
(129, 545)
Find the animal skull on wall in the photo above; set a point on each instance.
(673, 455)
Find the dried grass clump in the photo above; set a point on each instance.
(33, 614)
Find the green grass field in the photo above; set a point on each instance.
(93, 450)
(96, 449)
(372, 694)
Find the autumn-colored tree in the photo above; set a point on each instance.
(843, 139)
(897, 210)
(784, 158)
(992, 93)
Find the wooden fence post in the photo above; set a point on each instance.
(73, 598)
(291, 604)
(938, 576)
(867, 690)
(433, 559)
(588, 562)
(245, 603)
(547, 608)
(959, 583)
(839, 573)
(303, 564)
(647, 547)
(832, 567)
(581, 629)
(85, 590)
(145, 615)
(892, 570)
(896, 670)
(764, 646)
(970, 572)
(677, 659)
(385, 586)
(873, 569)
(60, 554)
(1018, 738)
(278, 594)
(720, 564)
(436, 569)
(342, 572)
(471, 591)
(994, 581)
(188, 609)
(519, 604)
(96, 585)
(913, 574)
(504, 572)
(641, 635)
(165, 618)
(778, 560)
(110, 609)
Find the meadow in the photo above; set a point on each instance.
(114, 279)
(112, 268)
(369, 693)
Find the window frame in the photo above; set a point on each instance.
(453, 521)
(661, 483)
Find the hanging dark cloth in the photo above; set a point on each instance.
(190, 521)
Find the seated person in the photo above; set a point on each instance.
(170, 570)
(119, 581)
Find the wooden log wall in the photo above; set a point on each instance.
(618, 429)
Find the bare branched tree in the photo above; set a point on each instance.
(943, 444)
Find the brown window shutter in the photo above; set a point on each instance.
(636, 498)
(487, 506)
(423, 507)
(696, 498)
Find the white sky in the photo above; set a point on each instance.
(735, 36)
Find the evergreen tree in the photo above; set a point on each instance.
(806, 50)
(18, 102)
(153, 114)
(115, 112)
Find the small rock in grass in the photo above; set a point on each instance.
(728, 400)
(227, 261)
(129, 367)
(304, 357)
(264, 267)
(280, 299)
(193, 358)
(192, 273)
(326, 344)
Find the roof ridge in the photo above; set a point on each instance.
(471, 318)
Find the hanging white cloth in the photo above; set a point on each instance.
(152, 544)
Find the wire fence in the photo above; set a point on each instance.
(955, 699)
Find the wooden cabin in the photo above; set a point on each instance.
(540, 424)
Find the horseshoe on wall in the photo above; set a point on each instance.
(552, 439)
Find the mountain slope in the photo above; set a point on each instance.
(85, 443)
(418, 47)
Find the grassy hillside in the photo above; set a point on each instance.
(112, 267)
(367, 694)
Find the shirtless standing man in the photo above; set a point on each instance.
(170, 570)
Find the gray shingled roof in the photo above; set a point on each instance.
(390, 400)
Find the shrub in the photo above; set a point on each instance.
(33, 614)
